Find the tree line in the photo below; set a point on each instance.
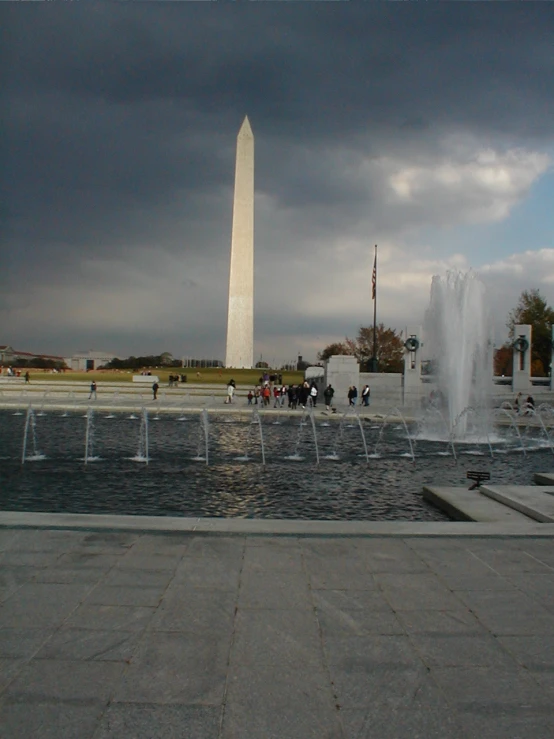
(151, 360)
(40, 363)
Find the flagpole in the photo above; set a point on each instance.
(374, 366)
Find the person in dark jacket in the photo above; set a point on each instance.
(303, 392)
(328, 396)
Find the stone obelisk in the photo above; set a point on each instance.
(240, 317)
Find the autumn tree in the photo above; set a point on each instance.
(338, 348)
(532, 309)
(503, 361)
(389, 346)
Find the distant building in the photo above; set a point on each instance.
(85, 361)
(7, 354)
(79, 362)
(10, 356)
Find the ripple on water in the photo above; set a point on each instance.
(177, 481)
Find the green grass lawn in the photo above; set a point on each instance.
(212, 375)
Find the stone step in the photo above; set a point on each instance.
(544, 478)
(462, 504)
(535, 502)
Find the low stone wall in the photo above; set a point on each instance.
(383, 386)
(389, 389)
(342, 372)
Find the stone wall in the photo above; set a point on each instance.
(341, 372)
(387, 389)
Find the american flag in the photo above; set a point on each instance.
(374, 278)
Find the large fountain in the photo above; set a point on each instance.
(199, 459)
(458, 343)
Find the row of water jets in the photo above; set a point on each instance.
(433, 418)
(31, 452)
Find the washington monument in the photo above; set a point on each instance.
(240, 317)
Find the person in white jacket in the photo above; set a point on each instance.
(313, 394)
(230, 391)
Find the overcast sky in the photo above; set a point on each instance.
(425, 129)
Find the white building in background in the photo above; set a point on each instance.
(84, 361)
(7, 354)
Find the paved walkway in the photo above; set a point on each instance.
(56, 396)
(192, 399)
(152, 636)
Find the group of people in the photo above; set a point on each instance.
(16, 373)
(524, 407)
(353, 395)
(304, 394)
(294, 395)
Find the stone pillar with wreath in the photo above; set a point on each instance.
(411, 380)
(521, 376)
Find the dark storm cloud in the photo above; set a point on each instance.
(130, 102)
(120, 120)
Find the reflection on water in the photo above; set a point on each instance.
(345, 485)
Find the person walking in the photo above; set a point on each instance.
(27, 378)
(155, 388)
(350, 395)
(230, 391)
(295, 397)
(92, 390)
(365, 395)
(313, 394)
(328, 396)
(291, 392)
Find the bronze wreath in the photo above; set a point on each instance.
(411, 344)
(521, 344)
